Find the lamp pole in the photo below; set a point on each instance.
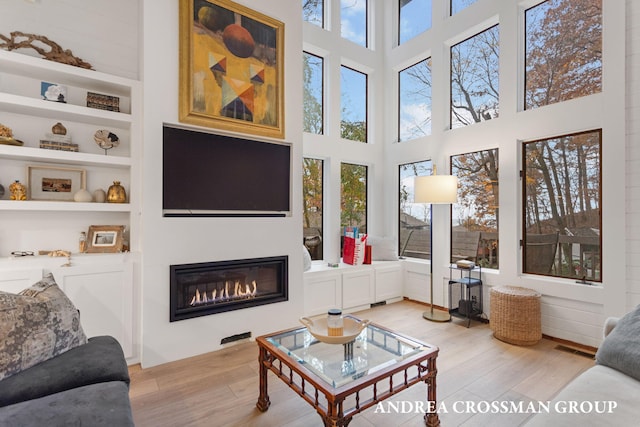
(435, 189)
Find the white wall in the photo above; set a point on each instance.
(167, 241)
(632, 154)
(570, 311)
(104, 33)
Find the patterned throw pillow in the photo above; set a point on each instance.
(35, 325)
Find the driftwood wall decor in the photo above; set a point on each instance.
(51, 50)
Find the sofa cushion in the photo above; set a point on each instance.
(35, 325)
(614, 392)
(96, 405)
(100, 360)
(383, 248)
(621, 349)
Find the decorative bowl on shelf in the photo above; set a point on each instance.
(318, 328)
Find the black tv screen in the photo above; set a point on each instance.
(211, 175)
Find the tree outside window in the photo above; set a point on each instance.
(415, 18)
(353, 196)
(353, 21)
(563, 51)
(474, 79)
(414, 218)
(312, 191)
(562, 217)
(475, 216)
(313, 12)
(415, 101)
(313, 93)
(353, 104)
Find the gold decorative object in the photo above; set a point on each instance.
(116, 193)
(59, 129)
(55, 53)
(6, 131)
(6, 136)
(18, 191)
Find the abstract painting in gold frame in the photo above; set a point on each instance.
(231, 68)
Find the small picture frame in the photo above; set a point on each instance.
(105, 238)
(53, 92)
(54, 183)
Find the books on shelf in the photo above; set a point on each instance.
(58, 142)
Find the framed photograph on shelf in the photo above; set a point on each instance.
(231, 68)
(105, 238)
(54, 183)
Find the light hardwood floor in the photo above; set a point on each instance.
(221, 388)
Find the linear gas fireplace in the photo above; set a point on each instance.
(214, 287)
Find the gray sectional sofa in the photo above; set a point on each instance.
(85, 386)
(606, 394)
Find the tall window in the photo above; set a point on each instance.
(313, 78)
(353, 196)
(562, 217)
(563, 51)
(415, 18)
(414, 219)
(415, 101)
(353, 21)
(474, 79)
(353, 104)
(313, 12)
(474, 219)
(458, 5)
(312, 192)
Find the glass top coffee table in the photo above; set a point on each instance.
(341, 380)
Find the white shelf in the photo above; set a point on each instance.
(61, 111)
(37, 205)
(42, 69)
(62, 157)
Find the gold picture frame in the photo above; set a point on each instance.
(105, 238)
(231, 68)
(54, 183)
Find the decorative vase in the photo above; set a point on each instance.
(83, 195)
(99, 196)
(116, 193)
(18, 191)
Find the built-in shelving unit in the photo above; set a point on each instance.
(102, 286)
(30, 117)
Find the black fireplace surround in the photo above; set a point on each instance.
(206, 288)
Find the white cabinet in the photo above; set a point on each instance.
(357, 288)
(388, 282)
(101, 286)
(352, 288)
(31, 118)
(104, 296)
(16, 280)
(322, 291)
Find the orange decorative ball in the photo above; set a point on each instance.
(238, 40)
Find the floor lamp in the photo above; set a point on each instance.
(436, 190)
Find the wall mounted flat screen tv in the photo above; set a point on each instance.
(206, 174)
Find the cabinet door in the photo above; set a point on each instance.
(16, 280)
(357, 288)
(104, 296)
(388, 283)
(322, 292)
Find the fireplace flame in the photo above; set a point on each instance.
(239, 291)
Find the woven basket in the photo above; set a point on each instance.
(515, 315)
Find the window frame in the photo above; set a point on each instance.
(523, 190)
